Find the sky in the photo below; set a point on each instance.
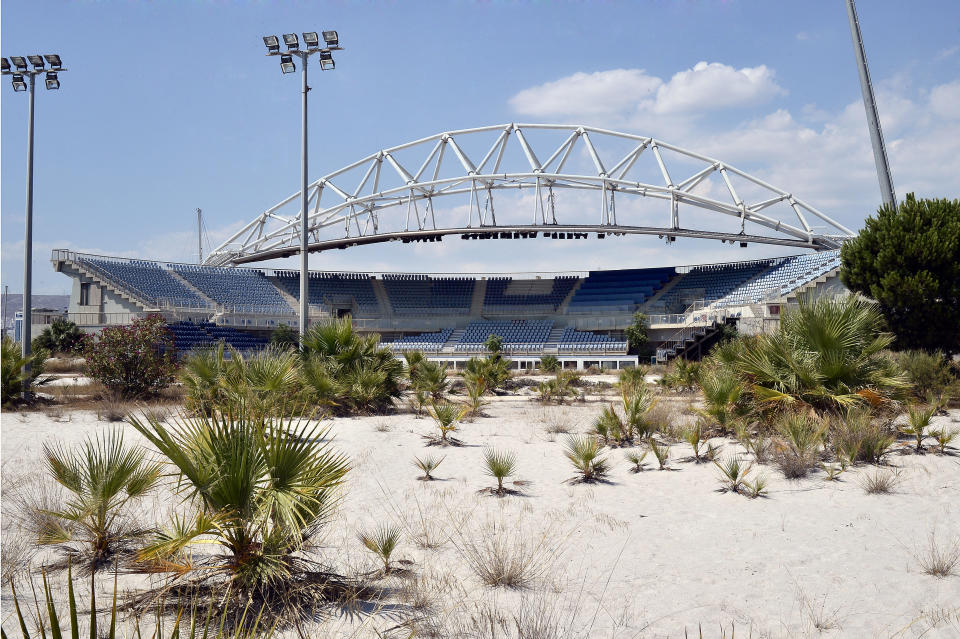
(167, 107)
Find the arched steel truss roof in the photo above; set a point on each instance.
(396, 188)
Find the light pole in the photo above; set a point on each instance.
(52, 82)
(312, 42)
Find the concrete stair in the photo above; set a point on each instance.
(479, 293)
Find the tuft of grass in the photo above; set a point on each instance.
(660, 451)
(881, 482)
(636, 460)
(586, 456)
(112, 409)
(505, 555)
(939, 560)
(757, 487)
(802, 436)
(499, 465)
(427, 464)
(733, 474)
(381, 542)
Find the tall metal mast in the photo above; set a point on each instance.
(199, 236)
(873, 118)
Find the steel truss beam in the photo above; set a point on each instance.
(388, 187)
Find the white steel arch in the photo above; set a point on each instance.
(390, 195)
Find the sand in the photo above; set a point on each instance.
(650, 554)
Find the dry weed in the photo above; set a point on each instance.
(503, 552)
(880, 482)
(939, 559)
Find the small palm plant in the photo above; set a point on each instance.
(382, 542)
(636, 460)
(585, 455)
(260, 488)
(476, 389)
(446, 415)
(721, 394)
(102, 476)
(427, 464)
(944, 436)
(660, 451)
(694, 437)
(919, 417)
(549, 364)
(499, 465)
(637, 402)
(733, 473)
(607, 424)
(432, 379)
(632, 379)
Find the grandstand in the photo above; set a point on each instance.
(578, 317)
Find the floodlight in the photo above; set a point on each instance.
(272, 42)
(19, 61)
(331, 38)
(290, 39)
(311, 39)
(5, 65)
(52, 81)
(286, 64)
(326, 61)
(53, 60)
(36, 61)
(743, 245)
(18, 83)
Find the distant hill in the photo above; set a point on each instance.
(14, 303)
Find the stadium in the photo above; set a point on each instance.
(646, 187)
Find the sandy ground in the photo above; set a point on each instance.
(650, 554)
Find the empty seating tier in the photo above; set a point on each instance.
(618, 291)
(710, 283)
(574, 341)
(787, 275)
(505, 293)
(412, 294)
(517, 335)
(426, 342)
(237, 289)
(334, 289)
(188, 336)
(146, 280)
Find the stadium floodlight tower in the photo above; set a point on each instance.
(23, 78)
(312, 46)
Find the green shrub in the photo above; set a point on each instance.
(929, 372)
(133, 361)
(549, 364)
(285, 337)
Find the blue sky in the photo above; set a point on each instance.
(170, 106)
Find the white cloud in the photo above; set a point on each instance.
(634, 94)
(600, 93)
(947, 52)
(945, 100)
(712, 85)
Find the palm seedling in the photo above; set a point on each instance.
(694, 436)
(607, 424)
(585, 455)
(413, 360)
(721, 393)
(757, 487)
(636, 460)
(632, 379)
(733, 473)
(833, 471)
(944, 436)
(660, 451)
(499, 465)
(476, 388)
(637, 402)
(427, 464)
(432, 379)
(102, 477)
(446, 415)
(259, 487)
(14, 379)
(382, 542)
(549, 364)
(919, 421)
